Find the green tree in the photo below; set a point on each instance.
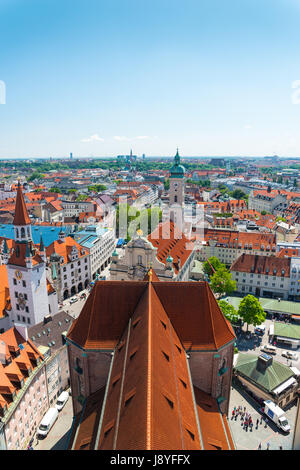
(221, 282)
(229, 311)
(97, 188)
(212, 264)
(251, 311)
(239, 194)
(54, 190)
(167, 184)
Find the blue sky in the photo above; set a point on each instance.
(97, 78)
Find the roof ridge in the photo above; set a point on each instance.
(149, 372)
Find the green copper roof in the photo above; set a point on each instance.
(27, 252)
(5, 247)
(286, 330)
(169, 259)
(273, 376)
(177, 170)
(54, 274)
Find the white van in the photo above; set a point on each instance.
(62, 400)
(269, 348)
(47, 422)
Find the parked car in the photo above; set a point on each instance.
(290, 355)
(73, 300)
(268, 348)
(260, 330)
(47, 422)
(62, 400)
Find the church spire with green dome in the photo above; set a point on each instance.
(177, 170)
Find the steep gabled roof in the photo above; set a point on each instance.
(191, 307)
(21, 214)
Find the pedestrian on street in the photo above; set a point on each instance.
(259, 446)
(232, 414)
(261, 419)
(266, 423)
(257, 423)
(268, 445)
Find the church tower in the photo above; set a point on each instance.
(26, 271)
(176, 191)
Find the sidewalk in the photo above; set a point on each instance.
(58, 435)
(249, 440)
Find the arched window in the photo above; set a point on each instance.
(22, 232)
(17, 232)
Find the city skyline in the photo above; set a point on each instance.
(210, 78)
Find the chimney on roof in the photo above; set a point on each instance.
(263, 362)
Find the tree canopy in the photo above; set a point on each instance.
(213, 263)
(251, 311)
(229, 311)
(221, 281)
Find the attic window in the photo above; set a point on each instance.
(163, 324)
(133, 353)
(116, 380)
(178, 348)
(166, 356)
(121, 346)
(134, 324)
(84, 443)
(170, 402)
(129, 396)
(108, 428)
(215, 443)
(192, 435)
(183, 383)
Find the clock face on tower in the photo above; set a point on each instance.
(18, 275)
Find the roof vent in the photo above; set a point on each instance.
(264, 361)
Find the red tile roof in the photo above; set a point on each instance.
(150, 398)
(21, 360)
(267, 265)
(189, 305)
(170, 241)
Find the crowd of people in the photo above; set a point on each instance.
(247, 422)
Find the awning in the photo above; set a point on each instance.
(295, 370)
(288, 340)
(285, 385)
(271, 329)
(296, 317)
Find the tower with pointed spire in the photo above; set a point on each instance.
(176, 191)
(26, 271)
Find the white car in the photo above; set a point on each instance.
(62, 400)
(269, 348)
(290, 355)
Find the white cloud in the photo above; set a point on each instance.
(93, 138)
(248, 126)
(142, 137)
